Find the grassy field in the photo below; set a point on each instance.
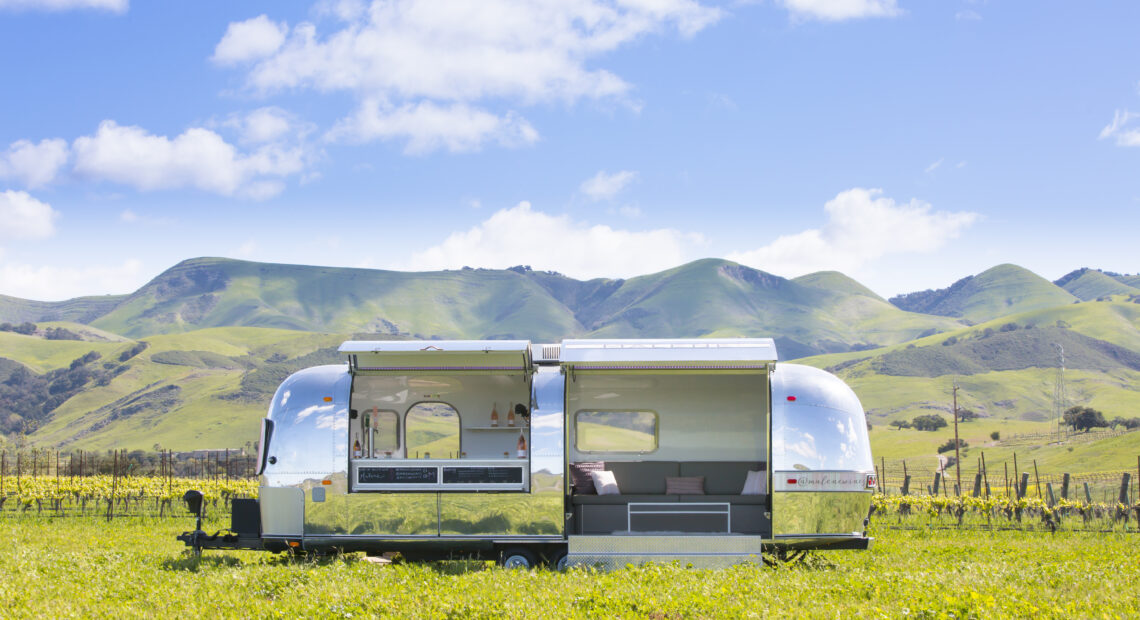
(135, 568)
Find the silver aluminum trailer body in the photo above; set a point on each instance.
(434, 478)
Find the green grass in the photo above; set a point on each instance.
(134, 568)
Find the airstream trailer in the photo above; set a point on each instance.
(597, 452)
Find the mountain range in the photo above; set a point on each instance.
(191, 358)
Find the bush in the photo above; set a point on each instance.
(930, 422)
(949, 445)
(995, 435)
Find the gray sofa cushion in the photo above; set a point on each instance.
(580, 480)
(721, 477)
(644, 477)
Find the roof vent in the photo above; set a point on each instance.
(546, 353)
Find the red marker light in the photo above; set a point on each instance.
(791, 480)
(791, 399)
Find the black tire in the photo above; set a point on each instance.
(518, 557)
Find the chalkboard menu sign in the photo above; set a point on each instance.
(397, 475)
(482, 475)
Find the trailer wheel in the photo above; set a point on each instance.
(518, 557)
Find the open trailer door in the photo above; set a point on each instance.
(683, 426)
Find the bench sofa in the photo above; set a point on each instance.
(644, 482)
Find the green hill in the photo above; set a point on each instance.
(1089, 284)
(191, 359)
(78, 310)
(996, 292)
(813, 314)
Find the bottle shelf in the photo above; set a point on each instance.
(496, 428)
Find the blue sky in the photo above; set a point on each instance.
(907, 144)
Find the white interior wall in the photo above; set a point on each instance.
(472, 395)
(701, 417)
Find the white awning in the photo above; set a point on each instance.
(667, 354)
(388, 356)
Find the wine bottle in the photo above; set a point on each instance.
(522, 446)
(495, 414)
(511, 415)
(356, 447)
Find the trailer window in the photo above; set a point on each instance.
(615, 431)
(432, 429)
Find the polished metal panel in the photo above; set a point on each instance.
(325, 507)
(817, 423)
(501, 514)
(392, 514)
(703, 551)
(675, 351)
(310, 434)
(547, 435)
(805, 514)
(282, 511)
(821, 456)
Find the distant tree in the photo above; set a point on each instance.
(1085, 418)
(930, 422)
(25, 328)
(965, 415)
(952, 340)
(900, 424)
(989, 331)
(869, 426)
(1009, 327)
(1116, 422)
(1132, 423)
(949, 445)
(995, 436)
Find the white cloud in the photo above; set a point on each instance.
(574, 248)
(967, 15)
(34, 165)
(197, 158)
(428, 127)
(861, 227)
(413, 61)
(116, 6)
(265, 125)
(604, 185)
(934, 166)
(837, 10)
(25, 217)
(251, 39)
(49, 283)
(1118, 129)
(129, 216)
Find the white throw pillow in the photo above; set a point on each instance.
(755, 483)
(605, 483)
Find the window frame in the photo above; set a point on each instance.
(656, 431)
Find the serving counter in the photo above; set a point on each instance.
(464, 475)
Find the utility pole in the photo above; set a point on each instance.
(957, 456)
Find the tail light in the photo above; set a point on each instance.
(872, 481)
